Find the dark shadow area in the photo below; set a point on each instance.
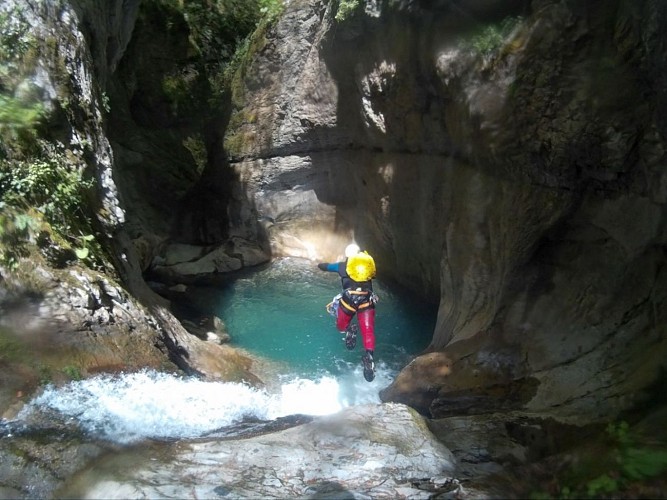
(330, 490)
(252, 427)
(653, 398)
(166, 122)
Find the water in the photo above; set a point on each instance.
(130, 407)
(278, 313)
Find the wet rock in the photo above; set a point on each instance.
(76, 322)
(191, 264)
(208, 328)
(255, 427)
(35, 460)
(376, 451)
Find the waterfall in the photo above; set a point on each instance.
(277, 313)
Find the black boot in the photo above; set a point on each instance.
(351, 337)
(369, 366)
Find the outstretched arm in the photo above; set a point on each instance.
(327, 266)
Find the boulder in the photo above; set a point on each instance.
(377, 451)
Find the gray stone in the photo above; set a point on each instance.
(372, 451)
(521, 187)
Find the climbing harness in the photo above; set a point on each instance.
(332, 307)
(357, 300)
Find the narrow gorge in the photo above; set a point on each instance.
(503, 160)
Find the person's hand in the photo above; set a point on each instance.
(322, 266)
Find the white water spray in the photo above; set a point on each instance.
(128, 408)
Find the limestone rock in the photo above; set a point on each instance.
(187, 264)
(518, 182)
(208, 328)
(75, 322)
(373, 450)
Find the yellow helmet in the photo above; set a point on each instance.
(361, 267)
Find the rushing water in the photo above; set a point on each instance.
(278, 313)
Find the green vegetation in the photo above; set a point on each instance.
(633, 462)
(218, 34)
(195, 144)
(19, 113)
(489, 38)
(16, 116)
(176, 88)
(42, 185)
(72, 372)
(16, 230)
(45, 191)
(620, 465)
(49, 184)
(217, 27)
(10, 349)
(346, 8)
(234, 69)
(271, 10)
(232, 81)
(44, 374)
(45, 195)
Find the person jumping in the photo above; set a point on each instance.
(356, 273)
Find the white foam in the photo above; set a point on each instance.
(127, 408)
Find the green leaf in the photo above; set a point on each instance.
(640, 463)
(602, 484)
(81, 253)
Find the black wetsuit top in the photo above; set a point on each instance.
(347, 282)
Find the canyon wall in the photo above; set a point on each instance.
(504, 159)
(62, 316)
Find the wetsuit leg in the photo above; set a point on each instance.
(342, 319)
(366, 320)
